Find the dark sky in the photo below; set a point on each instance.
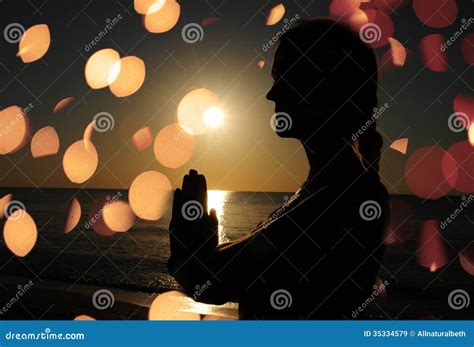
(244, 154)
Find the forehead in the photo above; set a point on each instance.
(281, 58)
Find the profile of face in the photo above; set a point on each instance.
(325, 81)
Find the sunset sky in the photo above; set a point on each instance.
(243, 153)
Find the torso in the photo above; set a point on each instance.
(329, 255)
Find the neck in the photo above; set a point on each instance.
(331, 163)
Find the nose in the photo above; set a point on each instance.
(271, 94)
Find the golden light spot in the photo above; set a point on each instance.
(192, 108)
(3, 203)
(20, 233)
(130, 77)
(88, 133)
(74, 216)
(96, 217)
(149, 195)
(398, 52)
(45, 142)
(173, 146)
(142, 139)
(433, 267)
(99, 66)
(80, 161)
(13, 129)
(213, 117)
(470, 134)
(143, 6)
(118, 216)
(84, 317)
(400, 145)
(275, 14)
(34, 43)
(261, 64)
(170, 306)
(356, 19)
(162, 18)
(114, 72)
(62, 104)
(217, 200)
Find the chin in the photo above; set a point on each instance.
(285, 134)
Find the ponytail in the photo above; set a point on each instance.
(369, 146)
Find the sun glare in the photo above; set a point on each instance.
(213, 117)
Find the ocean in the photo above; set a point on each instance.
(136, 260)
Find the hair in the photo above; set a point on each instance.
(336, 54)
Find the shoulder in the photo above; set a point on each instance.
(347, 201)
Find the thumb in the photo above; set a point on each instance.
(213, 219)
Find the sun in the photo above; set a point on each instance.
(213, 117)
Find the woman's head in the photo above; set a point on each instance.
(326, 82)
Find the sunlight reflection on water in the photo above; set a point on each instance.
(217, 200)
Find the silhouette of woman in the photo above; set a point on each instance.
(317, 256)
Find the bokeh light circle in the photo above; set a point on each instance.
(173, 146)
(150, 195)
